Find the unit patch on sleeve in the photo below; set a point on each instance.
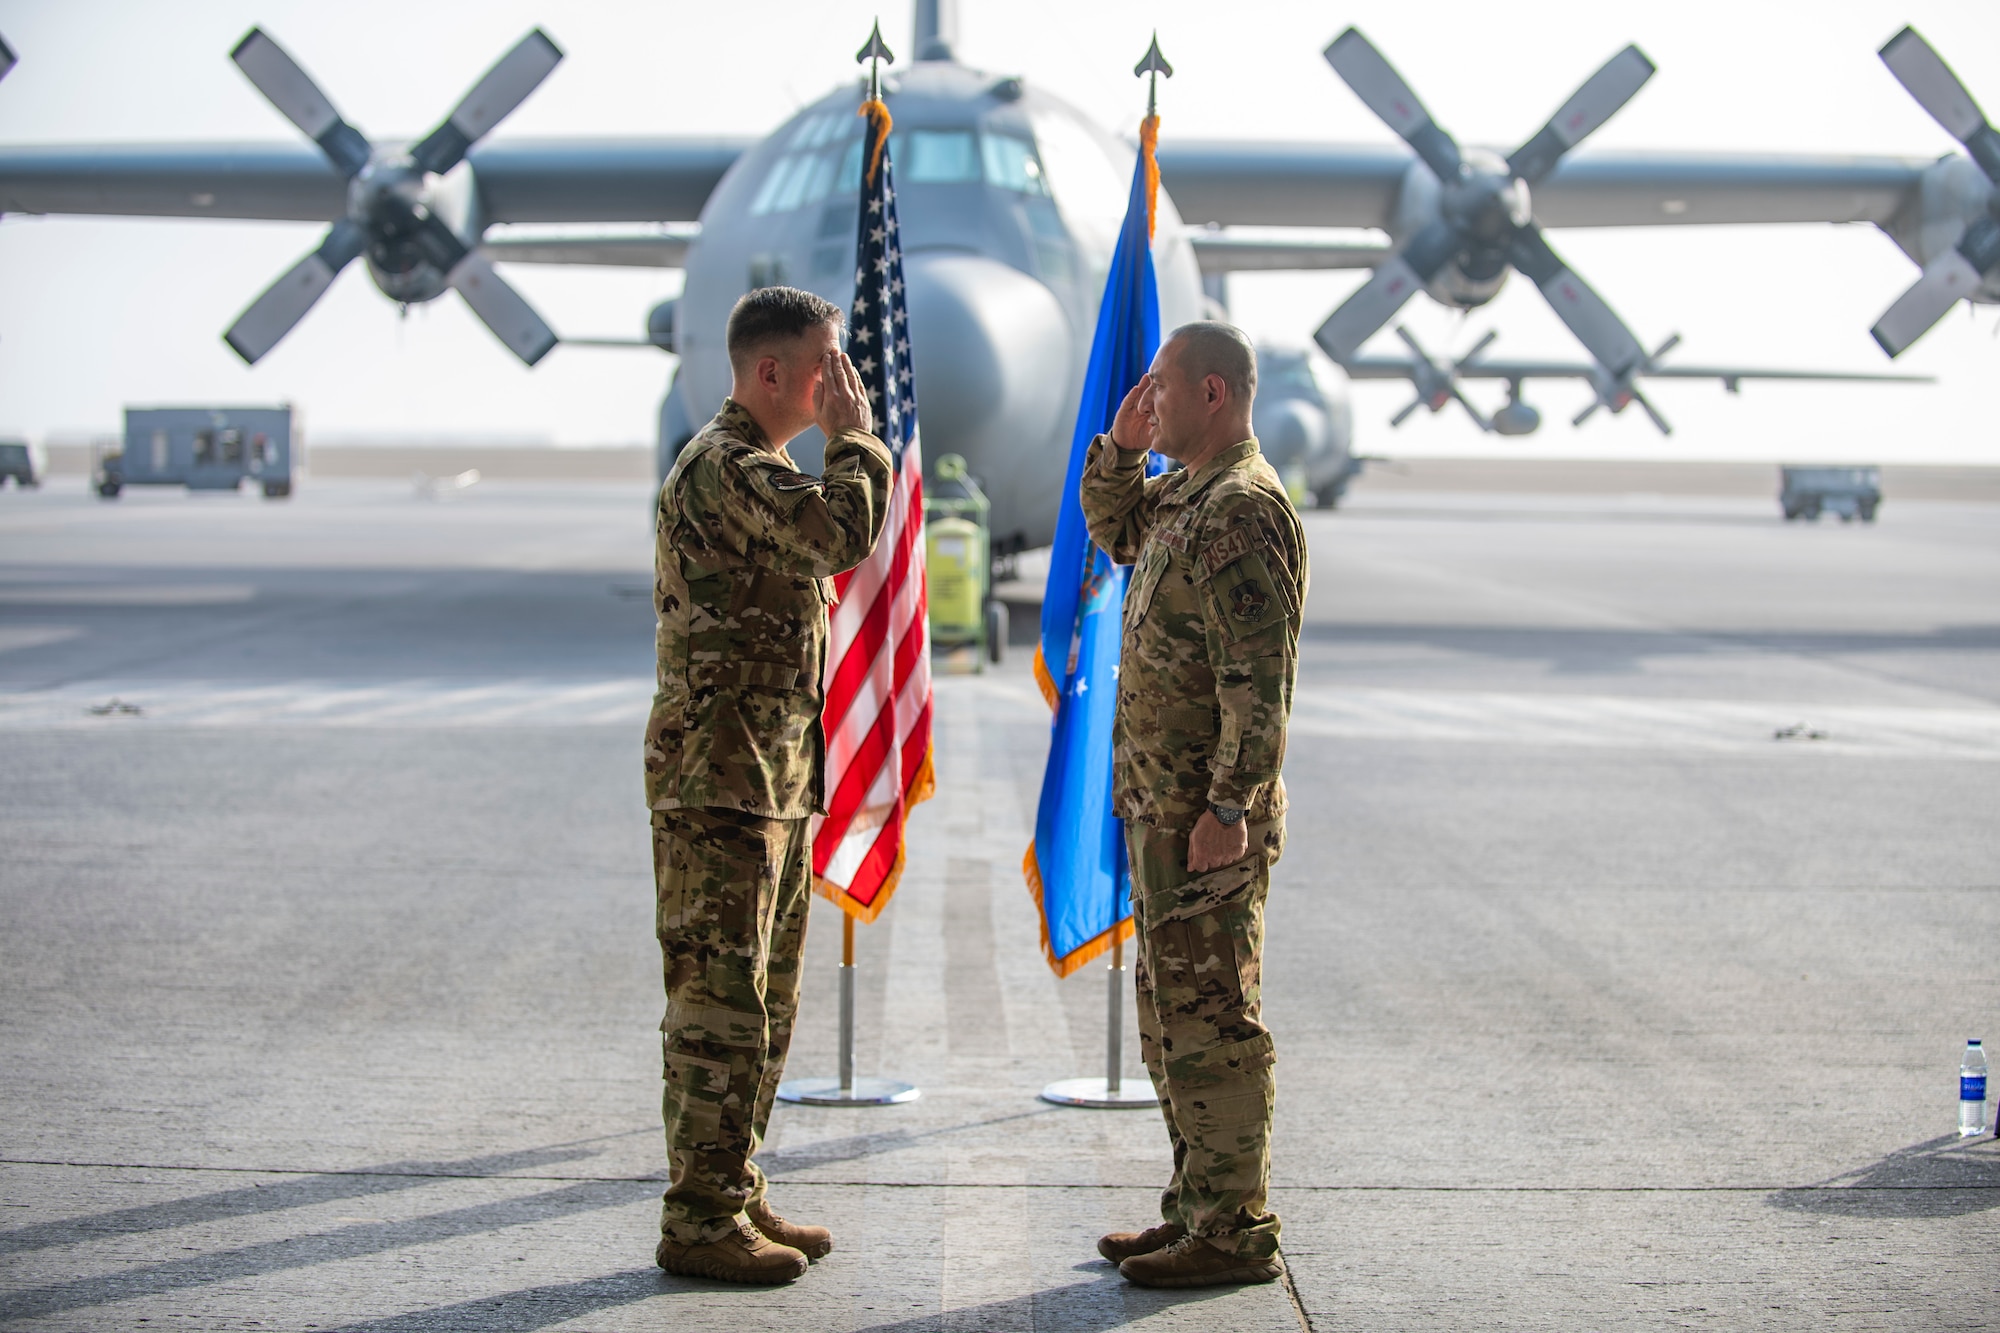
(1247, 598)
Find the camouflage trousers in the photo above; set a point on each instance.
(732, 892)
(1201, 947)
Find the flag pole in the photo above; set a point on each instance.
(1111, 1092)
(846, 1089)
(846, 1005)
(1114, 1023)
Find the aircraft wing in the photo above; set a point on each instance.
(1220, 252)
(1515, 370)
(643, 249)
(566, 181)
(1345, 185)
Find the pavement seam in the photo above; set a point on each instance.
(1292, 1294)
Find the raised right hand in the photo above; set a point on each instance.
(841, 402)
(1132, 429)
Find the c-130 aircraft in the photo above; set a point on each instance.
(1010, 201)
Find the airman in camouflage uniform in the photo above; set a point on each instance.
(744, 557)
(1209, 659)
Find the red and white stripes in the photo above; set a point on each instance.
(878, 708)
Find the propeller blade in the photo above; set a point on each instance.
(503, 310)
(1492, 336)
(1410, 341)
(497, 93)
(285, 302)
(1945, 279)
(7, 58)
(1363, 68)
(290, 89)
(1601, 332)
(1479, 418)
(1365, 312)
(1408, 411)
(1393, 283)
(1924, 74)
(1602, 94)
(1652, 412)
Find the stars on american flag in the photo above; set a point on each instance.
(880, 316)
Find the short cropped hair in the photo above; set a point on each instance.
(1211, 347)
(775, 314)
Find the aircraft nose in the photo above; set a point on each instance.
(992, 349)
(1287, 432)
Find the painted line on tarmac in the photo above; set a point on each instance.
(1459, 717)
(1626, 722)
(396, 705)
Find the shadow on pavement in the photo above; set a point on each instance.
(294, 1252)
(1085, 1307)
(531, 1308)
(1942, 1177)
(296, 1192)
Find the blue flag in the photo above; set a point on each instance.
(1076, 865)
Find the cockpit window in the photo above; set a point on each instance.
(1085, 182)
(802, 178)
(824, 158)
(935, 157)
(1011, 164)
(1286, 372)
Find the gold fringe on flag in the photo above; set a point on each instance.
(877, 112)
(1050, 693)
(1031, 870)
(922, 787)
(1149, 143)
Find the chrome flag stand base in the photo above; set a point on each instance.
(1112, 1092)
(847, 1090)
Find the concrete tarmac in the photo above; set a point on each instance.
(328, 992)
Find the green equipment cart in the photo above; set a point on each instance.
(968, 627)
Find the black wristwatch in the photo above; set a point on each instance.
(1226, 815)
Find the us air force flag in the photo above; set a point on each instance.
(1076, 865)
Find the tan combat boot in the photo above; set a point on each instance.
(1122, 1245)
(744, 1255)
(1193, 1262)
(812, 1242)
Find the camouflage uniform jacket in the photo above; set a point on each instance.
(743, 560)
(1211, 636)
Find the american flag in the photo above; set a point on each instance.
(878, 684)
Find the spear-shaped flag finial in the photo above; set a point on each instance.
(875, 55)
(1154, 64)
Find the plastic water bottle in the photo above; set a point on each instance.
(1972, 1091)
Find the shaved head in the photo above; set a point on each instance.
(1210, 347)
(1198, 394)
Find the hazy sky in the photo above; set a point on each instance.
(97, 314)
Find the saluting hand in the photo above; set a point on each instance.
(841, 400)
(1132, 428)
